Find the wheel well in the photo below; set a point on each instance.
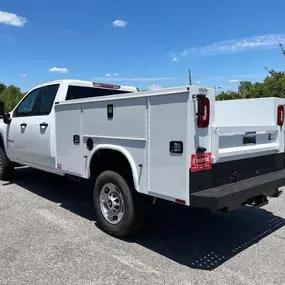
(106, 159)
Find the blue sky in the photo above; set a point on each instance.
(112, 41)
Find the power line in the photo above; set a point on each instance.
(283, 50)
(174, 42)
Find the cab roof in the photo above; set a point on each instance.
(74, 82)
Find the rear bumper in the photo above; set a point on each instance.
(233, 195)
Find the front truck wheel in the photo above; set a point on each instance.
(6, 166)
(119, 209)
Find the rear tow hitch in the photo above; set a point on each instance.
(258, 201)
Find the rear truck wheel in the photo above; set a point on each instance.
(117, 206)
(6, 166)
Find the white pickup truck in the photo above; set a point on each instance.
(176, 144)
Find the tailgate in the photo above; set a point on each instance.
(246, 139)
(239, 142)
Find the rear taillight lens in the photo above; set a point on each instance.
(280, 115)
(203, 112)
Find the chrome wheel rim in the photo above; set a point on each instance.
(112, 203)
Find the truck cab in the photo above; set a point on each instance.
(28, 132)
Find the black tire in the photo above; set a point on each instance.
(7, 168)
(134, 212)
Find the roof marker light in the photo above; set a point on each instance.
(106, 85)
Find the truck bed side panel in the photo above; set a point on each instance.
(167, 171)
(126, 129)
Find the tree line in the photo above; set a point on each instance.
(272, 86)
(10, 95)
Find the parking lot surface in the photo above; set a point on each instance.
(48, 235)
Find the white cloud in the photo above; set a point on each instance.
(110, 74)
(119, 23)
(175, 58)
(238, 45)
(198, 82)
(23, 75)
(12, 19)
(59, 69)
(234, 80)
(155, 87)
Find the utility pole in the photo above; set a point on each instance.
(242, 90)
(190, 77)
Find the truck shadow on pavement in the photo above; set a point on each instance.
(192, 237)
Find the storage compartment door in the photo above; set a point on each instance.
(168, 172)
(69, 139)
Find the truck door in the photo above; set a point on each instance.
(29, 132)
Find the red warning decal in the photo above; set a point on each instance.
(201, 161)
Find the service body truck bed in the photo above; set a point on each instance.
(176, 144)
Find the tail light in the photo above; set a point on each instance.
(280, 115)
(203, 111)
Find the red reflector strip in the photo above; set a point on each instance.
(179, 201)
(201, 161)
(106, 85)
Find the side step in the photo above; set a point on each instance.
(231, 196)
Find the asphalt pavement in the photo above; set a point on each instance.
(48, 235)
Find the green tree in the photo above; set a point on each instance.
(10, 95)
(228, 95)
(2, 87)
(272, 86)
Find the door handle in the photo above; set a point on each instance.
(44, 125)
(23, 125)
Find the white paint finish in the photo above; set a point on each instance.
(237, 130)
(235, 118)
(68, 124)
(31, 144)
(141, 130)
(237, 140)
(200, 137)
(168, 123)
(134, 155)
(61, 93)
(37, 144)
(236, 153)
(246, 112)
(115, 138)
(128, 121)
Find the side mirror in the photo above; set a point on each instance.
(7, 119)
(2, 109)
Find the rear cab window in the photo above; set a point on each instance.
(81, 92)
